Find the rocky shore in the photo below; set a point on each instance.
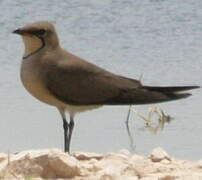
(55, 164)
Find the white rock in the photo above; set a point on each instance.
(165, 161)
(158, 154)
(125, 152)
(87, 156)
(4, 156)
(24, 167)
(40, 163)
(150, 178)
(116, 156)
(107, 177)
(55, 164)
(136, 157)
(111, 167)
(191, 176)
(63, 164)
(128, 178)
(199, 164)
(168, 177)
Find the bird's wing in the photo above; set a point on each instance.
(77, 82)
(81, 83)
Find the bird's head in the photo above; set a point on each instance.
(37, 36)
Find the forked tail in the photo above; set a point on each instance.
(151, 94)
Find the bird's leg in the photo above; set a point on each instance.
(66, 129)
(71, 127)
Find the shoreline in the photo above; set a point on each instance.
(55, 164)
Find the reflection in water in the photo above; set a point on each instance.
(131, 137)
(154, 121)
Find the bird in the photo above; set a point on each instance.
(71, 84)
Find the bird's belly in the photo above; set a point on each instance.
(36, 88)
(42, 94)
(77, 108)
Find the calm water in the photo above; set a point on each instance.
(161, 39)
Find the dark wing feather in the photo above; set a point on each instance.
(81, 83)
(75, 81)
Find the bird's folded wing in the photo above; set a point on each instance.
(82, 83)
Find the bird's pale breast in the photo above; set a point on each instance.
(33, 83)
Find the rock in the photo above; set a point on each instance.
(136, 157)
(142, 165)
(63, 164)
(111, 167)
(117, 156)
(55, 164)
(107, 177)
(149, 178)
(19, 165)
(127, 178)
(115, 165)
(168, 177)
(199, 164)
(125, 152)
(4, 156)
(40, 163)
(165, 161)
(158, 154)
(87, 156)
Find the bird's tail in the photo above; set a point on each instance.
(152, 94)
(170, 89)
(162, 94)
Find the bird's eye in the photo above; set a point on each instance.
(41, 32)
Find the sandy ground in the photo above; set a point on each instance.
(55, 164)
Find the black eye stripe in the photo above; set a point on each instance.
(41, 32)
(38, 32)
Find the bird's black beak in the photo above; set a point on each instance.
(35, 32)
(18, 31)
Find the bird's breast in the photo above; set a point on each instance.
(33, 82)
